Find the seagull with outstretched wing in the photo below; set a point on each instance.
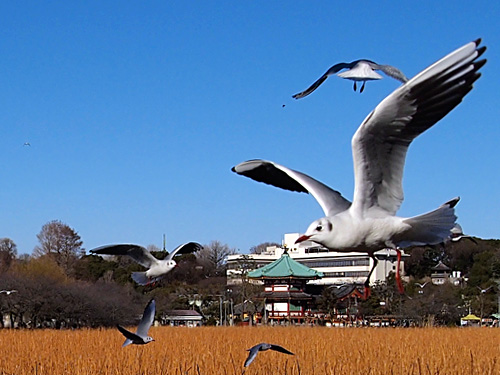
(157, 268)
(8, 292)
(379, 148)
(483, 291)
(254, 350)
(140, 337)
(457, 234)
(358, 71)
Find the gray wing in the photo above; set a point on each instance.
(380, 144)
(392, 72)
(147, 319)
(268, 172)
(334, 69)
(189, 247)
(252, 354)
(130, 336)
(136, 252)
(280, 349)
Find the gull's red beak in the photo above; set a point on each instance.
(302, 238)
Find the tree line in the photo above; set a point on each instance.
(59, 285)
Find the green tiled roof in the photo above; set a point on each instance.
(285, 267)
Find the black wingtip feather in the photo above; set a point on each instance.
(453, 202)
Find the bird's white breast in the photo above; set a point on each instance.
(361, 72)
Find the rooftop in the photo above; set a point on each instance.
(285, 267)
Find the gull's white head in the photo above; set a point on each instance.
(320, 231)
(148, 339)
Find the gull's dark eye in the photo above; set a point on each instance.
(319, 228)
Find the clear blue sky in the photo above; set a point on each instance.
(136, 112)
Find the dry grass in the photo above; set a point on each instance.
(207, 351)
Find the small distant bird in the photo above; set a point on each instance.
(157, 268)
(338, 286)
(422, 285)
(379, 147)
(8, 292)
(457, 234)
(263, 347)
(141, 336)
(483, 291)
(27, 144)
(357, 71)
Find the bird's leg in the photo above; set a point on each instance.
(362, 87)
(367, 291)
(354, 85)
(398, 276)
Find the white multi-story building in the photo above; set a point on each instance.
(338, 268)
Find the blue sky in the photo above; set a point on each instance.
(136, 112)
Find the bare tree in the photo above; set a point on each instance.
(61, 242)
(213, 258)
(258, 249)
(8, 252)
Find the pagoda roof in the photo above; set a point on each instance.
(285, 267)
(441, 267)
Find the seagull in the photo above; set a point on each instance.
(254, 350)
(379, 146)
(457, 234)
(358, 70)
(27, 144)
(8, 292)
(483, 291)
(141, 336)
(422, 285)
(157, 268)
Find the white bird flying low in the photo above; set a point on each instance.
(379, 147)
(157, 268)
(254, 350)
(8, 292)
(357, 71)
(457, 234)
(140, 337)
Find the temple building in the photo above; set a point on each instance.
(337, 268)
(285, 298)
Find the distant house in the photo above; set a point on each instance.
(441, 274)
(187, 318)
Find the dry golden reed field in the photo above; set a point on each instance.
(213, 350)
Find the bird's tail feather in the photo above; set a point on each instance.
(140, 278)
(432, 227)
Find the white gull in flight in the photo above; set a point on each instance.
(157, 268)
(357, 71)
(379, 147)
(140, 337)
(8, 292)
